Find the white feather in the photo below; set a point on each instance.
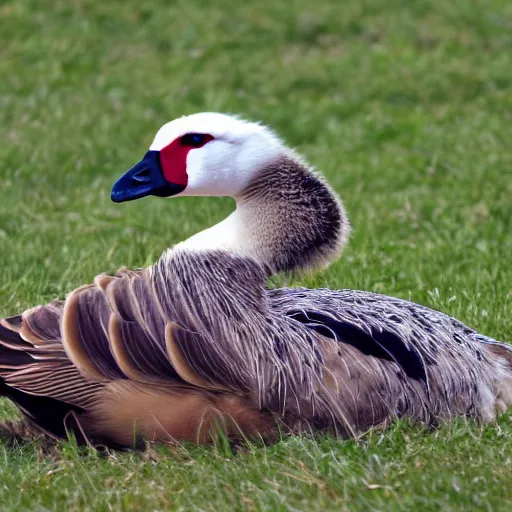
(224, 166)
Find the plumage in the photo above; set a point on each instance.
(197, 344)
(337, 360)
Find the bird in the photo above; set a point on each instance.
(197, 345)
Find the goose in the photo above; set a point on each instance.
(196, 345)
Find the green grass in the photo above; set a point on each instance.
(407, 109)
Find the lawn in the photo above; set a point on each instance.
(406, 107)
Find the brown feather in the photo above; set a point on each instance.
(122, 356)
(126, 410)
(13, 323)
(180, 362)
(71, 339)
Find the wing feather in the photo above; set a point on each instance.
(72, 339)
(178, 358)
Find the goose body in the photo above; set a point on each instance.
(197, 343)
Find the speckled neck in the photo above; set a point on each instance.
(287, 218)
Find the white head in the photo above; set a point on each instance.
(206, 154)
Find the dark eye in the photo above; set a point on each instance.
(195, 140)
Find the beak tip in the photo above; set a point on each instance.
(117, 195)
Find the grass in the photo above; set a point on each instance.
(405, 106)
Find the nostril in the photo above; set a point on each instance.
(142, 176)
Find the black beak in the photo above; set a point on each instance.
(144, 179)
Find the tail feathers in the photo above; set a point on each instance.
(503, 350)
(499, 348)
(32, 378)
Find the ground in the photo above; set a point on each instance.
(405, 106)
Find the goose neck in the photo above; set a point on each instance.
(287, 219)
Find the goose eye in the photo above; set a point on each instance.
(195, 140)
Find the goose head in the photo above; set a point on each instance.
(205, 154)
(287, 217)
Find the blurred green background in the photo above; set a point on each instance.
(406, 107)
